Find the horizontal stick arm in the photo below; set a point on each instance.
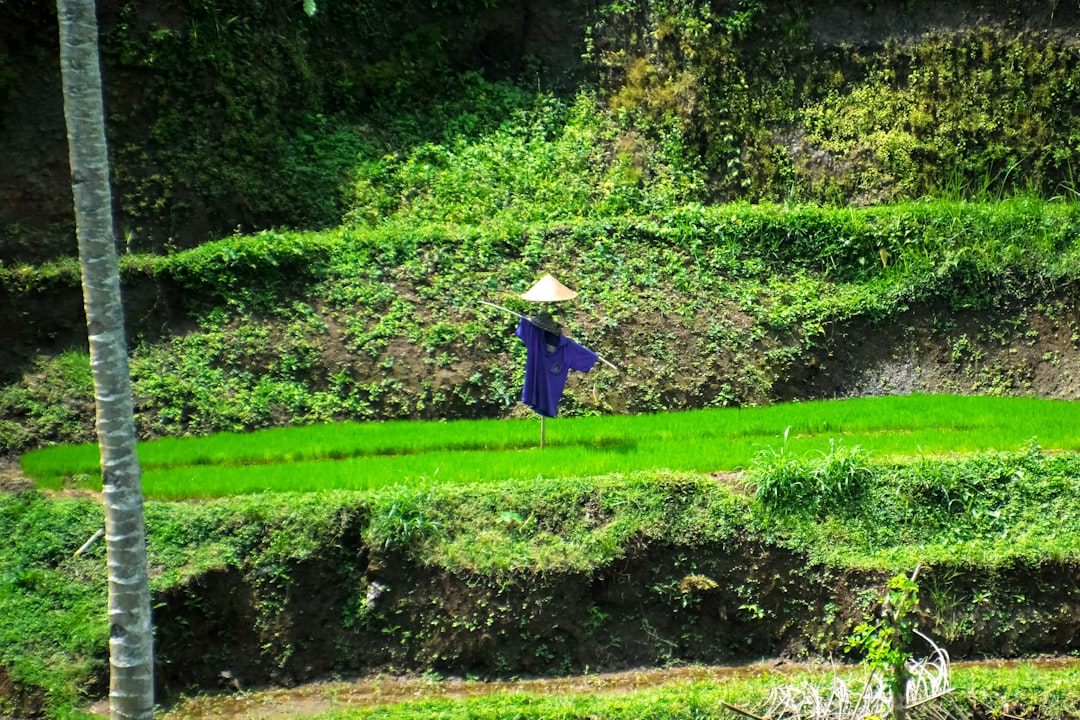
(746, 713)
(508, 310)
(93, 538)
(598, 357)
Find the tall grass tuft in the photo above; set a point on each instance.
(818, 483)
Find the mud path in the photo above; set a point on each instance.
(321, 697)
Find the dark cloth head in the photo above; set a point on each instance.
(545, 322)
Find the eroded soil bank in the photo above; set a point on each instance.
(729, 603)
(278, 605)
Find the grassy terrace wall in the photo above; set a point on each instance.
(551, 576)
(732, 305)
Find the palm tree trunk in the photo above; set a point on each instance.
(131, 686)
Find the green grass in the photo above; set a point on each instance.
(1051, 693)
(365, 456)
(978, 514)
(52, 628)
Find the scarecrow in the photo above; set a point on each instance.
(549, 354)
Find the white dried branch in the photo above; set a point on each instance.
(928, 686)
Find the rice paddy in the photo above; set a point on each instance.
(369, 455)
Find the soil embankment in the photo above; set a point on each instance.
(734, 602)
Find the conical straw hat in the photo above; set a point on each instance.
(548, 289)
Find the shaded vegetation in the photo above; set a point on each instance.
(310, 120)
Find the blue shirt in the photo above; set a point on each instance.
(549, 359)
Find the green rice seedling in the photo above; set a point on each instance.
(404, 521)
(364, 456)
(288, 445)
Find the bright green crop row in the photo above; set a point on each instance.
(362, 456)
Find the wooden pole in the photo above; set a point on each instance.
(93, 539)
(500, 307)
(747, 713)
(542, 420)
